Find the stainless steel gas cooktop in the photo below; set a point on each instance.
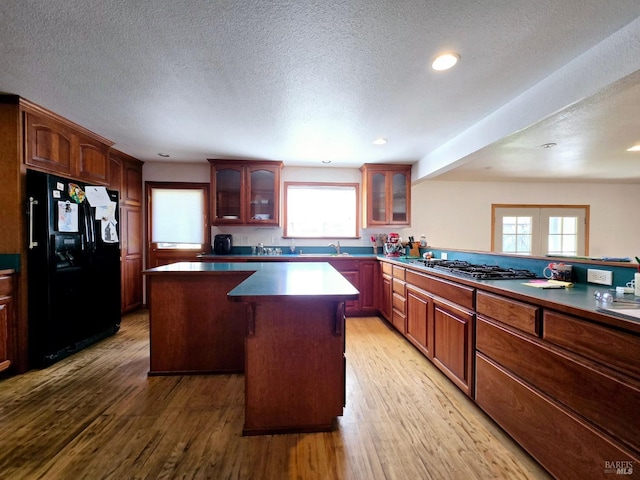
(478, 272)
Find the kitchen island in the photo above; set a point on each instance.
(290, 317)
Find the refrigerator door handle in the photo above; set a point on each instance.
(89, 228)
(32, 243)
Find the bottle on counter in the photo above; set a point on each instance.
(423, 240)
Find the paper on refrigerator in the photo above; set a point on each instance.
(107, 216)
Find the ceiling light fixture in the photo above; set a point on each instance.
(548, 145)
(380, 141)
(164, 155)
(326, 162)
(635, 148)
(445, 61)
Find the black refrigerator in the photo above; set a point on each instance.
(73, 266)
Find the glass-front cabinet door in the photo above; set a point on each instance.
(245, 192)
(228, 194)
(262, 194)
(379, 197)
(400, 207)
(387, 195)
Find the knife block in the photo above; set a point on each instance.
(414, 251)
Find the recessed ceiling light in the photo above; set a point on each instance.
(548, 145)
(165, 155)
(326, 161)
(380, 141)
(635, 148)
(445, 61)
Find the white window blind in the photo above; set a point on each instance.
(177, 216)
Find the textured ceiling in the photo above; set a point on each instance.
(306, 81)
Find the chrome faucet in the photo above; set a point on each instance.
(336, 246)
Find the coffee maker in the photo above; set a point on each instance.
(222, 244)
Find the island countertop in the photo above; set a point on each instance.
(272, 281)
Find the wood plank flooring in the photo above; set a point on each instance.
(97, 415)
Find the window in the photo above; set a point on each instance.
(517, 234)
(178, 215)
(540, 229)
(321, 210)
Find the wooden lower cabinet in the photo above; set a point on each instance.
(7, 324)
(349, 269)
(561, 441)
(567, 389)
(352, 307)
(453, 343)
(368, 273)
(420, 320)
(564, 398)
(398, 299)
(616, 349)
(131, 255)
(385, 296)
(295, 366)
(193, 329)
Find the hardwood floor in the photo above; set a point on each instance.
(96, 415)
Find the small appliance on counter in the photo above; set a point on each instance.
(393, 246)
(222, 244)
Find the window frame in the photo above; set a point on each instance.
(539, 225)
(152, 248)
(353, 185)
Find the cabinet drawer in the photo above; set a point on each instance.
(517, 314)
(5, 286)
(399, 272)
(399, 287)
(399, 303)
(454, 292)
(542, 426)
(387, 268)
(399, 321)
(621, 350)
(608, 400)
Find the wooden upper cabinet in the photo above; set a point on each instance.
(386, 191)
(126, 177)
(48, 145)
(132, 179)
(58, 146)
(93, 160)
(245, 192)
(116, 167)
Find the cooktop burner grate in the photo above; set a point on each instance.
(479, 272)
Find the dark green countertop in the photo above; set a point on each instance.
(10, 261)
(310, 257)
(273, 280)
(202, 268)
(578, 300)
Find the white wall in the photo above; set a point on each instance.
(458, 214)
(454, 214)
